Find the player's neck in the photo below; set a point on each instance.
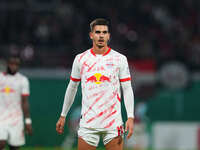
(100, 50)
(10, 72)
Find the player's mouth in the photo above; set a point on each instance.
(100, 41)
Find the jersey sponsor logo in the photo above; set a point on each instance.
(7, 90)
(98, 78)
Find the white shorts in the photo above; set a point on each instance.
(14, 135)
(92, 135)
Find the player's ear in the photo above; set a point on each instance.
(108, 36)
(91, 37)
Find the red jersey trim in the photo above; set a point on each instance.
(25, 94)
(75, 79)
(91, 50)
(125, 79)
(108, 51)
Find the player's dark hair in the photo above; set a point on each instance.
(99, 21)
(14, 58)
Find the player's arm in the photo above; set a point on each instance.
(68, 101)
(69, 95)
(25, 105)
(129, 105)
(125, 80)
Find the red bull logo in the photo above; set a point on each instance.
(7, 90)
(98, 78)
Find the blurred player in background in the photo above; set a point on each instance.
(101, 71)
(73, 124)
(14, 106)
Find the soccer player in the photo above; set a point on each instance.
(14, 106)
(102, 71)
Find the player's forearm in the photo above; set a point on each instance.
(69, 97)
(25, 106)
(128, 98)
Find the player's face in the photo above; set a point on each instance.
(13, 65)
(100, 35)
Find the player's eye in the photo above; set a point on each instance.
(97, 32)
(105, 32)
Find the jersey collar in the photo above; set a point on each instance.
(108, 51)
(7, 74)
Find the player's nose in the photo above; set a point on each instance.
(101, 34)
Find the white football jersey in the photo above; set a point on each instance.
(12, 87)
(100, 77)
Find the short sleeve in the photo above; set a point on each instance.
(75, 74)
(25, 87)
(124, 73)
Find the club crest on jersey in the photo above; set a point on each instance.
(98, 78)
(7, 90)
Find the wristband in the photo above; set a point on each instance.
(28, 121)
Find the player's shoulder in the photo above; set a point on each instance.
(21, 76)
(83, 54)
(118, 54)
(2, 74)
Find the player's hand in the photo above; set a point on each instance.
(60, 125)
(29, 130)
(129, 127)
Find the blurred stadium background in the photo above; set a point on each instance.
(161, 39)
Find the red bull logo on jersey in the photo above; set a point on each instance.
(7, 90)
(98, 78)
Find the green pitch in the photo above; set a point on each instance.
(57, 148)
(43, 148)
(51, 148)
